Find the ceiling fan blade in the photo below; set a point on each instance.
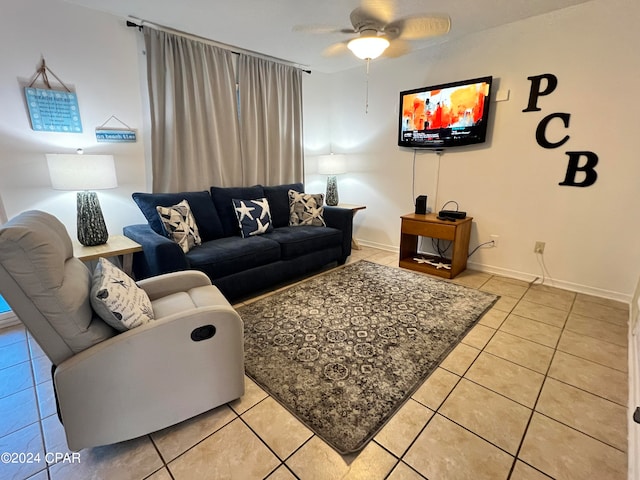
(423, 26)
(321, 29)
(397, 48)
(362, 19)
(383, 10)
(335, 49)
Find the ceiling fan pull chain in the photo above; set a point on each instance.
(366, 105)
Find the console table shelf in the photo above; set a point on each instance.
(416, 225)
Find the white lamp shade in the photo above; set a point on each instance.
(333, 164)
(368, 47)
(81, 172)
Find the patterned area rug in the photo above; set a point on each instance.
(343, 351)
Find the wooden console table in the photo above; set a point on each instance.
(415, 225)
(354, 209)
(117, 245)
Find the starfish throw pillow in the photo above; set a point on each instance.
(254, 216)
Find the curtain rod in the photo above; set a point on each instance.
(236, 50)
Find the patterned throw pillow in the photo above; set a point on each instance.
(254, 216)
(179, 223)
(117, 299)
(306, 209)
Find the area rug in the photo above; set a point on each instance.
(343, 351)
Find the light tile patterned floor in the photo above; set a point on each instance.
(537, 390)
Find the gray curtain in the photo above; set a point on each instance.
(195, 137)
(270, 121)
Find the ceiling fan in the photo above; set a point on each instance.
(378, 33)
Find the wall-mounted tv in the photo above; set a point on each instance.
(447, 115)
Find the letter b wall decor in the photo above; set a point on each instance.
(574, 166)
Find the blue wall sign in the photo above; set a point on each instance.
(53, 110)
(112, 135)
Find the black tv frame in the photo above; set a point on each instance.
(478, 132)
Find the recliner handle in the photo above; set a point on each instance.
(203, 333)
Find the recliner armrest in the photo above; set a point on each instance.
(168, 283)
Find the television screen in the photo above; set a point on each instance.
(447, 115)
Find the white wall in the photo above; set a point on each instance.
(510, 185)
(94, 53)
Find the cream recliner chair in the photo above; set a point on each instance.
(113, 386)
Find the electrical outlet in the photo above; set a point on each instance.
(495, 239)
(539, 247)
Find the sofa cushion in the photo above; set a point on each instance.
(229, 255)
(296, 241)
(306, 209)
(254, 216)
(222, 198)
(201, 205)
(117, 299)
(278, 197)
(178, 221)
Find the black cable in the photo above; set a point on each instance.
(413, 180)
(442, 252)
(451, 201)
(481, 245)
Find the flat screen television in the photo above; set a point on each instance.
(447, 115)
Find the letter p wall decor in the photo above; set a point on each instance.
(545, 84)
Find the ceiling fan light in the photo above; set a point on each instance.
(368, 47)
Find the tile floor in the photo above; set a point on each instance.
(537, 390)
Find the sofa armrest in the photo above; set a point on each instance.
(342, 219)
(159, 254)
(168, 283)
(150, 377)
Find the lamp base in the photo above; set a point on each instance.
(332, 191)
(91, 227)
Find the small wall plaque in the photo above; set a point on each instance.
(115, 135)
(110, 135)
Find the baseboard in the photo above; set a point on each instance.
(527, 277)
(573, 287)
(8, 320)
(379, 246)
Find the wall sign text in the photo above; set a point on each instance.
(579, 161)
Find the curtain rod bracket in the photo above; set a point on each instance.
(134, 25)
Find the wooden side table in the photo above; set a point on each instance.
(354, 209)
(415, 225)
(117, 245)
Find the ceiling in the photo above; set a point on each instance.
(266, 26)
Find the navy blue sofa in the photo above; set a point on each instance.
(240, 266)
